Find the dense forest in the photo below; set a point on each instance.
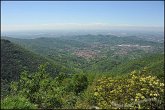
(82, 71)
(15, 59)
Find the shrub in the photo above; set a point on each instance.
(16, 102)
(138, 90)
(80, 83)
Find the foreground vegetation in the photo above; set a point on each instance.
(139, 89)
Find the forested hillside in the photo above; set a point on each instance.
(154, 63)
(15, 59)
(80, 51)
(87, 71)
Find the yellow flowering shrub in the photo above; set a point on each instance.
(137, 90)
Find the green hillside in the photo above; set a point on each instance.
(15, 59)
(88, 52)
(154, 64)
(90, 71)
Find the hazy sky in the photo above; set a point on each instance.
(36, 15)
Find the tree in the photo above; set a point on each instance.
(39, 88)
(80, 83)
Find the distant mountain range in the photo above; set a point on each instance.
(157, 36)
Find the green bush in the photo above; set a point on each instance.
(80, 83)
(17, 102)
(39, 88)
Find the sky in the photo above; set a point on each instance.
(72, 15)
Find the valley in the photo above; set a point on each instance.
(88, 57)
(88, 48)
(102, 55)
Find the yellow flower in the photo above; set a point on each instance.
(96, 93)
(142, 97)
(161, 84)
(155, 94)
(138, 94)
(143, 89)
(155, 82)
